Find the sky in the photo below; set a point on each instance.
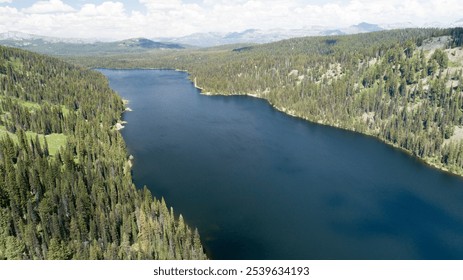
(107, 20)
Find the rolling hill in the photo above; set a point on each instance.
(63, 46)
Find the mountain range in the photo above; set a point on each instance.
(66, 46)
(267, 36)
(74, 46)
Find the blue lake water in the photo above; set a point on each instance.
(259, 184)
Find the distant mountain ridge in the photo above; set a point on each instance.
(21, 36)
(148, 44)
(76, 46)
(267, 36)
(458, 23)
(66, 46)
(362, 27)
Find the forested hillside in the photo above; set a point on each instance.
(403, 86)
(66, 190)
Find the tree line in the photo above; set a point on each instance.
(79, 203)
(393, 85)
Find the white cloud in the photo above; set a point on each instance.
(48, 7)
(5, 1)
(110, 19)
(162, 4)
(109, 9)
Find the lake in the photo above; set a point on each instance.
(259, 184)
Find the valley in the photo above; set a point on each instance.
(401, 86)
(73, 190)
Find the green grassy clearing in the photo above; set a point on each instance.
(55, 141)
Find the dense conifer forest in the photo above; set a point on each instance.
(402, 86)
(66, 190)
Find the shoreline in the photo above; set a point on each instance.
(293, 114)
(120, 124)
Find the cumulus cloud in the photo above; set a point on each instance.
(154, 5)
(109, 9)
(49, 7)
(111, 19)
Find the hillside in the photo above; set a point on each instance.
(403, 86)
(60, 47)
(66, 190)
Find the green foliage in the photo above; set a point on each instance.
(53, 142)
(441, 58)
(137, 45)
(385, 84)
(66, 190)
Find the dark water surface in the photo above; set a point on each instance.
(259, 184)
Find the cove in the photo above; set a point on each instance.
(259, 184)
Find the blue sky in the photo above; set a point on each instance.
(119, 19)
(130, 5)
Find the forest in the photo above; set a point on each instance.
(403, 87)
(66, 190)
